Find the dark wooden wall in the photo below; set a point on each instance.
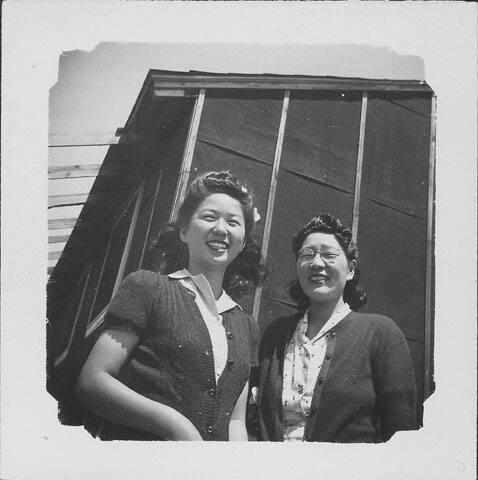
(326, 142)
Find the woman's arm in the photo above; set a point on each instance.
(394, 382)
(99, 389)
(237, 425)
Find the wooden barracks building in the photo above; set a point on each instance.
(362, 150)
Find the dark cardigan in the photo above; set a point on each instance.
(365, 389)
(173, 362)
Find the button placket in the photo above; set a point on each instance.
(212, 392)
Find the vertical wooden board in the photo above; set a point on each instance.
(297, 201)
(69, 327)
(168, 175)
(321, 137)
(238, 132)
(396, 151)
(113, 259)
(244, 122)
(141, 227)
(429, 386)
(393, 255)
(86, 314)
(358, 174)
(187, 156)
(317, 175)
(416, 349)
(392, 232)
(392, 250)
(61, 330)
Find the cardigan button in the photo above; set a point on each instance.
(321, 381)
(328, 356)
(212, 392)
(229, 335)
(209, 429)
(208, 352)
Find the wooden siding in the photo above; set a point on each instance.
(73, 164)
(338, 152)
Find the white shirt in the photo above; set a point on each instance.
(211, 311)
(302, 363)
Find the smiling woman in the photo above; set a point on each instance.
(329, 373)
(174, 360)
(215, 235)
(304, 144)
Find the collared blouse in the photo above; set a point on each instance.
(211, 311)
(302, 362)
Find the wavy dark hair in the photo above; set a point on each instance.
(170, 253)
(354, 295)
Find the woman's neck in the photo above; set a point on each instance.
(320, 312)
(215, 278)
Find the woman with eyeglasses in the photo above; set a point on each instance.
(329, 373)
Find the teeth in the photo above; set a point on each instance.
(216, 244)
(316, 277)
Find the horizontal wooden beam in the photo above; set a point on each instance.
(124, 137)
(58, 223)
(161, 81)
(68, 199)
(172, 93)
(58, 238)
(74, 171)
(82, 139)
(54, 255)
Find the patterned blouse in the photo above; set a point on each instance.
(302, 362)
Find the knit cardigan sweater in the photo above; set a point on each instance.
(173, 361)
(365, 390)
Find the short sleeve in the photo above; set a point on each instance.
(131, 306)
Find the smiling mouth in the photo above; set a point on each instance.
(217, 245)
(317, 278)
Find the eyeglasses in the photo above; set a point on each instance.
(307, 254)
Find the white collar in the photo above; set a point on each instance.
(336, 317)
(223, 303)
